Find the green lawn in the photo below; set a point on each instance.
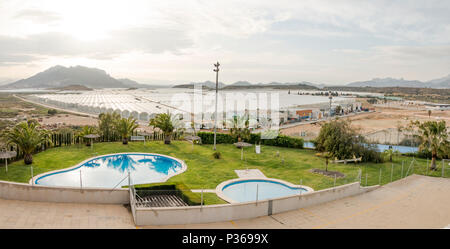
(206, 172)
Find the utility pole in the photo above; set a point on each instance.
(217, 89)
(331, 99)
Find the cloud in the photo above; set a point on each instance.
(145, 40)
(39, 16)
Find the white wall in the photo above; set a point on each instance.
(227, 212)
(26, 192)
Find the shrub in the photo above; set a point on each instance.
(342, 141)
(280, 141)
(52, 111)
(217, 155)
(178, 188)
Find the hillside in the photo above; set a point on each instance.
(59, 76)
(391, 82)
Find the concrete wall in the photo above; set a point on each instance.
(26, 192)
(227, 212)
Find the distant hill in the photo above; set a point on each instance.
(391, 82)
(72, 88)
(441, 82)
(206, 84)
(59, 76)
(273, 85)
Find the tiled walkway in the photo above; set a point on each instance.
(414, 202)
(24, 214)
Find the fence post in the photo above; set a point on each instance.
(379, 178)
(427, 168)
(392, 171)
(443, 166)
(201, 202)
(81, 182)
(32, 180)
(334, 180)
(401, 176)
(360, 175)
(366, 178)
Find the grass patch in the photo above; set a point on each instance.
(204, 172)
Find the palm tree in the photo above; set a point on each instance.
(167, 123)
(239, 127)
(434, 138)
(125, 127)
(390, 153)
(106, 123)
(86, 130)
(27, 136)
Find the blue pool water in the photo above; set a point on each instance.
(245, 190)
(108, 171)
(380, 147)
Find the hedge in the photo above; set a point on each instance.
(179, 189)
(280, 141)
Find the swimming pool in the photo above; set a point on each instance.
(107, 171)
(245, 190)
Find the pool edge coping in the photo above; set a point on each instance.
(30, 182)
(221, 194)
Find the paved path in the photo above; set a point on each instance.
(414, 202)
(25, 214)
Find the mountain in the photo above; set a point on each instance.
(388, 82)
(241, 83)
(391, 82)
(59, 76)
(207, 84)
(133, 84)
(273, 85)
(441, 82)
(72, 88)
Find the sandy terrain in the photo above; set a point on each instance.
(74, 120)
(381, 119)
(68, 119)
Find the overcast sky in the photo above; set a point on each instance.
(332, 42)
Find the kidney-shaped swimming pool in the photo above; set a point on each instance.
(245, 190)
(107, 171)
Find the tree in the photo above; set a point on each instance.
(52, 111)
(106, 124)
(434, 138)
(167, 123)
(86, 130)
(338, 110)
(390, 153)
(27, 136)
(239, 127)
(125, 127)
(342, 141)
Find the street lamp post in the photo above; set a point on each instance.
(331, 98)
(217, 89)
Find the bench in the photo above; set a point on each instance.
(137, 138)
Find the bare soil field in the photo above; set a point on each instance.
(381, 119)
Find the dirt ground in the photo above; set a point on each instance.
(68, 119)
(75, 120)
(381, 119)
